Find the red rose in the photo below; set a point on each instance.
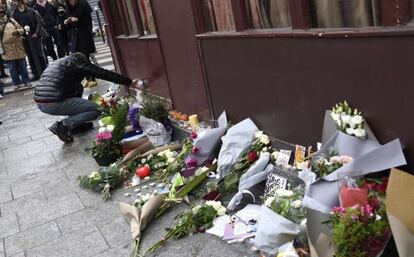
(252, 156)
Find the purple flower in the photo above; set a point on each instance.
(195, 150)
(338, 210)
(132, 117)
(190, 162)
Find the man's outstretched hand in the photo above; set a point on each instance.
(135, 83)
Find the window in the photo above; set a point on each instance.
(242, 15)
(218, 15)
(132, 24)
(344, 13)
(264, 14)
(147, 18)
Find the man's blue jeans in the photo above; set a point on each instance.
(18, 72)
(78, 110)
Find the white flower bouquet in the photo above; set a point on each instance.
(349, 120)
(282, 219)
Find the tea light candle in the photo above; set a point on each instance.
(193, 120)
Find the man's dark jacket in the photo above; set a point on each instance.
(62, 78)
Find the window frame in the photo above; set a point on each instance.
(395, 15)
(125, 33)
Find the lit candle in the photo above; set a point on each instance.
(193, 120)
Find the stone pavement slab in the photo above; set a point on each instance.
(31, 238)
(88, 242)
(8, 225)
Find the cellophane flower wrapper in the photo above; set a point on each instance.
(155, 131)
(236, 141)
(257, 173)
(400, 210)
(274, 231)
(351, 195)
(369, 156)
(208, 140)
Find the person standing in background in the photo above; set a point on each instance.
(49, 14)
(32, 40)
(63, 33)
(13, 50)
(79, 24)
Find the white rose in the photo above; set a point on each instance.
(284, 193)
(215, 204)
(269, 201)
(93, 174)
(101, 124)
(143, 160)
(264, 149)
(221, 211)
(346, 119)
(258, 134)
(102, 130)
(360, 132)
(350, 131)
(264, 140)
(296, 204)
(275, 155)
(378, 217)
(110, 128)
(357, 120)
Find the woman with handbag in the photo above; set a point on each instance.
(12, 49)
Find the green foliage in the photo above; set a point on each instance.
(153, 107)
(102, 180)
(204, 217)
(120, 121)
(353, 231)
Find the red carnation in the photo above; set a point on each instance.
(252, 156)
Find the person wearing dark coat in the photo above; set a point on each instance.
(59, 92)
(49, 14)
(33, 23)
(63, 33)
(79, 24)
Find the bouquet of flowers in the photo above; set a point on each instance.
(361, 231)
(104, 180)
(324, 166)
(106, 147)
(193, 220)
(348, 120)
(231, 180)
(282, 219)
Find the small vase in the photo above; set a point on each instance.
(106, 159)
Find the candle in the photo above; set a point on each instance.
(193, 120)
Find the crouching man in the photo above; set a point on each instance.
(59, 92)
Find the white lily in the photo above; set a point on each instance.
(258, 134)
(296, 204)
(264, 140)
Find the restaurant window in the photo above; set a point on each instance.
(265, 14)
(147, 18)
(218, 15)
(131, 24)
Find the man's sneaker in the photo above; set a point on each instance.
(1, 96)
(61, 131)
(81, 128)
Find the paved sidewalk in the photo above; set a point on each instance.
(43, 210)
